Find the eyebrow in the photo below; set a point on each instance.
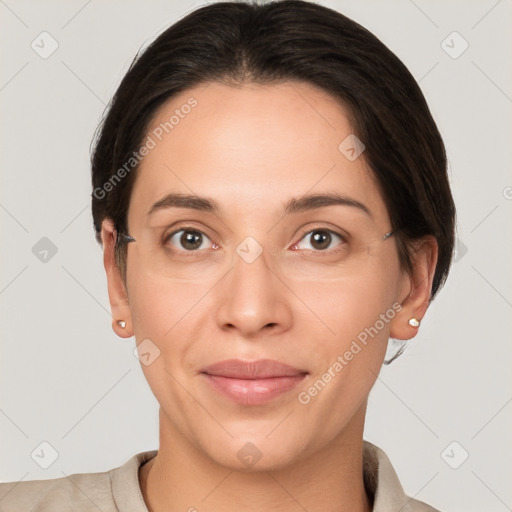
(294, 205)
(315, 201)
(185, 201)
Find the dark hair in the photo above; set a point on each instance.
(289, 40)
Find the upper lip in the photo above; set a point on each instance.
(259, 369)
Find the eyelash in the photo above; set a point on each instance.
(186, 229)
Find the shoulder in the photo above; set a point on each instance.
(82, 492)
(73, 492)
(382, 482)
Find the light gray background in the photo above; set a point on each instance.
(67, 380)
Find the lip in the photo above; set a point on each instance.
(252, 382)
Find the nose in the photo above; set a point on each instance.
(253, 299)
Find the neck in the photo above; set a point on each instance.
(179, 478)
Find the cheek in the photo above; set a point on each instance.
(149, 308)
(348, 333)
(348, 354)
(159, 305)
(342, 308)
(172, 314)
(168, 315)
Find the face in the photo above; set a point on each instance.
(303, 295)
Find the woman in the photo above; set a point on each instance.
(270, 191)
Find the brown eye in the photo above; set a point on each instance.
(189, 240)
(319, 240)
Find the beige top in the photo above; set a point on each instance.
(118, 490)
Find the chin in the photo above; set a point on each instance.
(252, 454)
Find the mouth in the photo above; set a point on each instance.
(252, 382)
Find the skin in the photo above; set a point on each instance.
(252, 148)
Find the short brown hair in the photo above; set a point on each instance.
(235, 42)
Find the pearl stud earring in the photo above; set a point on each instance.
(414, 322)
(121, 324)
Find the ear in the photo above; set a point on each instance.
(417, 287)
(116, 289)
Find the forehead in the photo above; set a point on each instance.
(252, 145)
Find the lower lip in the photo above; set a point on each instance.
(253, 391)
